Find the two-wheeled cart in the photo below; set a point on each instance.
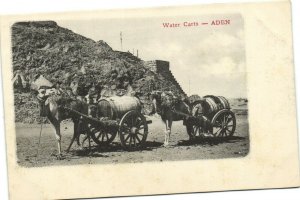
(117, 115)
(212, 117)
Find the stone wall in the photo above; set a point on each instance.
(163, 67)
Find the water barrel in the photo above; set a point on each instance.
(224, 102)
(213, 104)
(116, 106)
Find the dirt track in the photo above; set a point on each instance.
(180, 148)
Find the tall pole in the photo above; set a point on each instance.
(121, 40)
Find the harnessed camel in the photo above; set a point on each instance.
(164, 104)
(53, 110)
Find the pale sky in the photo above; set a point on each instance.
(204, 59)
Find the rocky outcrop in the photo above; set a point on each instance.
(60, 55)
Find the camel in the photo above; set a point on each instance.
(52, 108)
(165, 104)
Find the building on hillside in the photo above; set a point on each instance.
(163, 67)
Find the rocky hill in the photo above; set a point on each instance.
(59, 54)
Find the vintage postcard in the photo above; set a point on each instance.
(150, 101)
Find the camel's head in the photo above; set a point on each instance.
(167, 100)
(44, 93)
(162, 101)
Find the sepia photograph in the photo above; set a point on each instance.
(149, 101)
(113, 91)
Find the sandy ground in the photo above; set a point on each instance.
(180, 148)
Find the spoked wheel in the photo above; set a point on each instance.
(224, 124)
(102, 137)
(133, 130)
(195, 131)
(199, 127)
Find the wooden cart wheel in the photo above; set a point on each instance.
(194, 131)
(102, 137)
(223, 123)
(133, 130)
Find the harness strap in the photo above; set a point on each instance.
(80, 114)
(181, 113)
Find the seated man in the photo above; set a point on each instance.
(203, 121)
(124, 87)
(91, 97)
(107, 92)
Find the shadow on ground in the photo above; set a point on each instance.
(210, 141)
(97, 151)
(114, 147)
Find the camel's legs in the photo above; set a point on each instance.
(75, 135)
(89, 138)
(168, 132)
(79, 132)
(78, 140)
(56, 125)
(154, 107)
(83, 127)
